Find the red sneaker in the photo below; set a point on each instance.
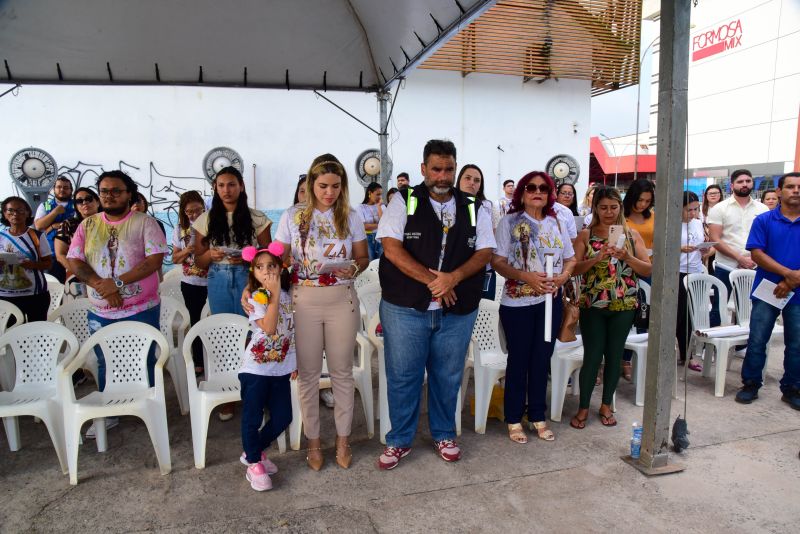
(391, 457)
(448, 450)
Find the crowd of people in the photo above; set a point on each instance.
(441, 244)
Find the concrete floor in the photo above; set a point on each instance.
(742, 473)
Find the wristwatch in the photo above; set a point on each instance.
(119, 283)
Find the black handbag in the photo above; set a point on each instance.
(641, 318)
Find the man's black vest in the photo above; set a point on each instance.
(422, 239)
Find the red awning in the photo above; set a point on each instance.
(620, 164)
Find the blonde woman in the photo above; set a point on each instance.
(327, 247)
(608, 298)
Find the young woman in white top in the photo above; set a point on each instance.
(525, 237)
(371, 210)
(327, 247)
(691, 262)
(194, 280)
(470, 181)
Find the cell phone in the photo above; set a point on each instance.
(614, 233)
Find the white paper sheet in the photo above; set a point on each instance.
(330, 266)
(765, 292)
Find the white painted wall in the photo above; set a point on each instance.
(743, 102)
(282, 131)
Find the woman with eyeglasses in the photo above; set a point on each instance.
(526, 237)
(607, 299)
(566, 196)
(25, 255)
(712, 196)
(194, 279)
(87, 203)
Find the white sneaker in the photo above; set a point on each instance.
(326, 396)
(111, 422)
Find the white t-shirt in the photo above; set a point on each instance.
(260, 223)
(192, 274)
(736, 222)
(524, 242)
(321, 245)
(15, 281)
(393, 225)
(271, 355)
(567, 219)
(691, 235)
(369, 214)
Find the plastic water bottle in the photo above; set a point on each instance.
(636, 440)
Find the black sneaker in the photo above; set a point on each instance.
(792, 398)
(748, 393)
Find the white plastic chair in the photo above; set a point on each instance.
(7, 366)
(567, 359)
(369, 298)
(206, 311)
(488, 359)
(56, 290)
(171, 288)
(174, 321)
(125, 346)
(173, 274)
(498, 290)
(35, 348)
(698, 288)
(742, 284)
(383, 397)
(223, 338)
(73, 315)
(366, 278)
(362, 376)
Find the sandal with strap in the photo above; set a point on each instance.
(344, 455)
(608, 420)
(578, 423)
(317, 461)
(517, 434)
(542, 431)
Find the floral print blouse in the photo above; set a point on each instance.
(607, 285)
(271, 355)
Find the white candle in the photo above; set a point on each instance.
(548, 300)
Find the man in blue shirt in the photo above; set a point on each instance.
(51, 213)
(774, 244)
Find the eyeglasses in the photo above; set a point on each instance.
(566, 193)
(83, 200)
(533, 188)
(12, 211)
(114, 192)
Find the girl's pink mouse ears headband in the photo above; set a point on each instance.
(274, 248)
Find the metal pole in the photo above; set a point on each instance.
(383, 136)
(672, 116)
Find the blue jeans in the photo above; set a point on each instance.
(374, 247)
(225, 286)
(259, 392)
(762, 321)
(96, 322)
(414, 342)
(724, 276)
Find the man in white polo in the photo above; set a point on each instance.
(729, 225)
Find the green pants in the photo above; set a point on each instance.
(604, 333)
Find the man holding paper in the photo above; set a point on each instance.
(774, 244)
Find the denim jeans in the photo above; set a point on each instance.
(225, 286)
(374, 247)
(151, 317)
(414, 342)
(724, 276)
(762, 321)
(259, 392)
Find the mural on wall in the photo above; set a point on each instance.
(162, 191)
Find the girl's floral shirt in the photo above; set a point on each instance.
(607, 285)
(192, 274)
(525, 243)
(315, 242)
(270, 355)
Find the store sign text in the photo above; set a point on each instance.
(712, 42)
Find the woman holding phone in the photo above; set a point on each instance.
(325, 242)
(611, 257)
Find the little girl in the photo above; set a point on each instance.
(269, 361)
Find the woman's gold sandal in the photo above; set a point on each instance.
(542, 431)
(344, 455)
(517, 434)
(315, 463)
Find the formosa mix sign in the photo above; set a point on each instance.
(725, 37)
